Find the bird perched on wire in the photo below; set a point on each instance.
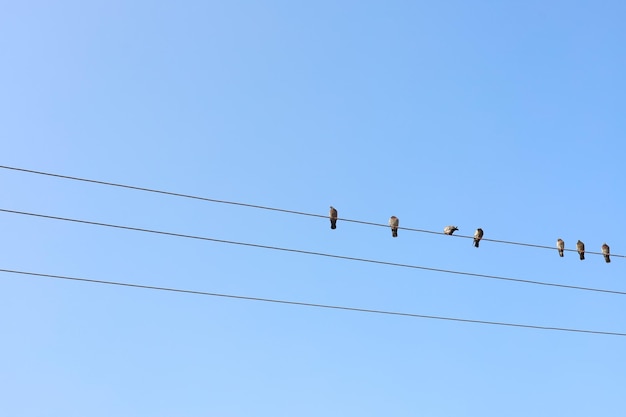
(478, 234)
(560, 245)
(606, 252)
(580, 247)
(394, 222)
(448, 230)
(333, 217)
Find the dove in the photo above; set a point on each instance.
(477, 236)
(448, 230)
(394, 222)
(560, 245)
(606, 252)
(580, 247)
(333, 217)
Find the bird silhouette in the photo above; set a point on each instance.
(448, 230)
(394, 222)
(333, 217)
(606, 252)
(478, 234)
(560, 245)
(580, 247)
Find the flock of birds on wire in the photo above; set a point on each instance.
(394, 223)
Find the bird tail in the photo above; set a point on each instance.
(560, 253)
(607, 259)
(582, 256)
(394, 232)
(476, 242)
(333, 223)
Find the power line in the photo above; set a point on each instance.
(301, 213)
(305, 252)
(316, 305)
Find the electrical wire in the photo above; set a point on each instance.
(316, 305)
(328, 255)
(212, 200)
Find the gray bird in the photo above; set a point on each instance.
(394, 222)
(333, 217)
(477, 236)
(448, 230)
(580, 247)
(560, 245)
(606, 252)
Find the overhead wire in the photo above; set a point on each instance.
(328, 255)
(301, 213)
(315, 305)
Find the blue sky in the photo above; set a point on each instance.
(502, 115)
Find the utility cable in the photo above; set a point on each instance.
(316, 305)
(328, 255)
(212, 200)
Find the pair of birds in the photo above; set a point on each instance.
(394, 223)
(580, 248)
(478, 234)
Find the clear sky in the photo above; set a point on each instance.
(503, 115)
